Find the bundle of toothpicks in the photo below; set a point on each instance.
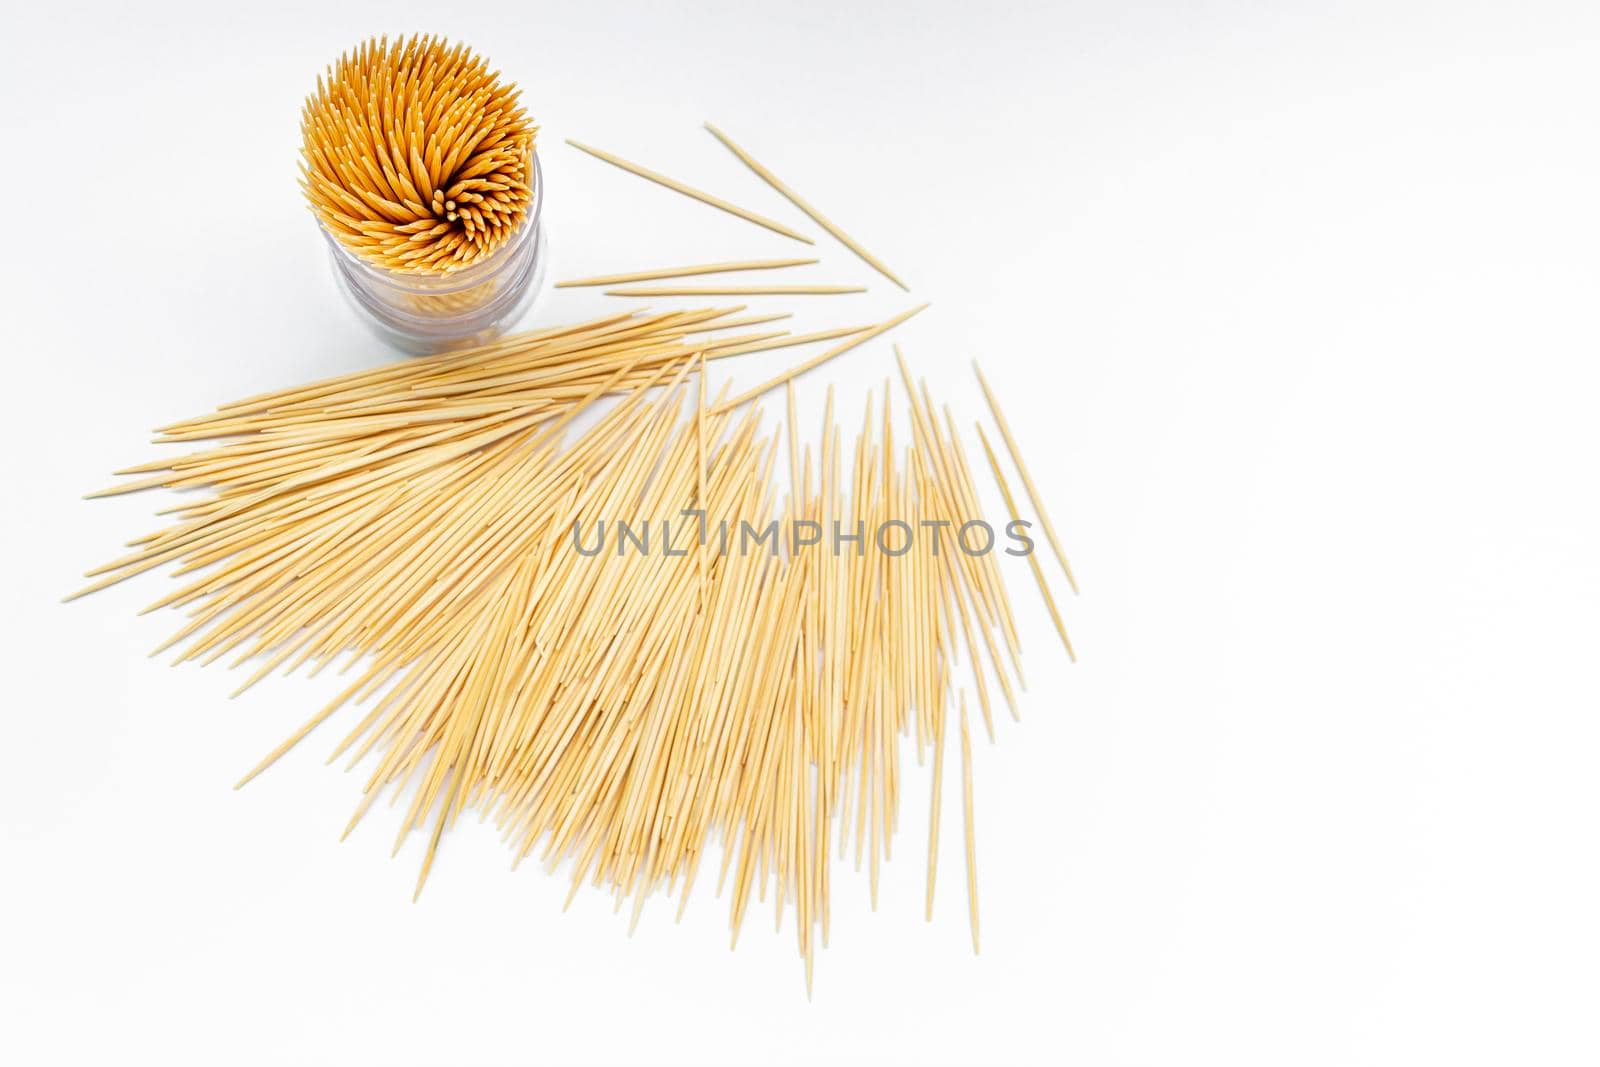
(674, 644)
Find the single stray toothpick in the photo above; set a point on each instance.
(814, 361)
(933, 811)
(689, 191)
(684, 272)
(794, 197)
(737, 290)
(966, 807)
(1033, 559)
(1027, 480)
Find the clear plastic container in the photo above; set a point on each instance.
(425, 313)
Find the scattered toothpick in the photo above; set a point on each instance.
(685, 272)
(1027, 481)
(966, 808)
(690, 191)
(794, 197)
(818, 360)
(1033, 559)
(737, 290)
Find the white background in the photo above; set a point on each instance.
(1293, 309)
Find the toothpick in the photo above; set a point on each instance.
(966, 806)
(684, 272)
(1027, 480)
(816, 361)
(739, 290)
(772, 180)
(1033, 560)
(690, 191)
(933, 806)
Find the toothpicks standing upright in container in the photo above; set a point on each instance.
(445, 177)
(418, 163)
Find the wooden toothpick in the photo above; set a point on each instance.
(684, 272)
(795, 198)
(737, 290)
(966, 806)
(690, 191)
(1027, 480)
(816, 361)
(1033, 560)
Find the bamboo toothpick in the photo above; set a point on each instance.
(750, 320)
(772, 180)
(738, 290)
(966, 807)
(623, 711)
(786, 341)
(1033, 561)
(818, 360)
(394, 184)
(938, 789)
(700, 476)
(690, 191)
(1027, 481)
(685, 272)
